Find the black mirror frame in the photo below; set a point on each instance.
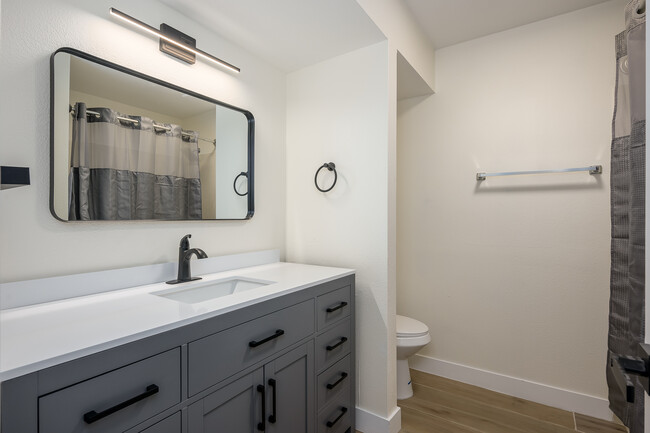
(90, 57)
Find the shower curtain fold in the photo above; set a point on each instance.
(124, 170)
(627, 277)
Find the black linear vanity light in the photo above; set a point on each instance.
(190, 51)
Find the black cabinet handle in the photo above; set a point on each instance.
(273, 418)
(333, 385)
(341, 341)
(92, 416)
(267, 339)
(338, 307)
(261, 426)
(331, 423)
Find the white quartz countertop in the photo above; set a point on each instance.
(40, 336)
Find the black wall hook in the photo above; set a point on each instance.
(331, 167)
(234, 184)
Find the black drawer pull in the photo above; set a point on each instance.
(333, 385)
(331, 423)
(92, 416)
(338, 307)
(273, 418)
(261, 426)
(341, 341)
(267, 339)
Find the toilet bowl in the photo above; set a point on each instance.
(412, 335)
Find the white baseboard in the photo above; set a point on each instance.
(537, 392)
(368, 422)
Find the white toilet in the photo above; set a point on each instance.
(412, 335)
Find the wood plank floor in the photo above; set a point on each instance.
(442, 405)
(445, 406)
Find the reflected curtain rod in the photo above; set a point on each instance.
(126, 119)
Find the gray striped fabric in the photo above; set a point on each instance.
(627, 278)
(122, 170)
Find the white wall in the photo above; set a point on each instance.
(395, 20)
(512, 274)
(61, 117)
(232, 136)
(204, 124)
(33, 243)
(338, 111)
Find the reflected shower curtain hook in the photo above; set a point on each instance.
(331, 167)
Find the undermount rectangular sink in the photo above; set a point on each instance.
(201, 292)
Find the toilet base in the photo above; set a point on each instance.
(404, 387)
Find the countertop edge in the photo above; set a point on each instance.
(92, 349)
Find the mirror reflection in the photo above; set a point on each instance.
(126, 146)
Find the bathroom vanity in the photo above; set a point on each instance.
(277, 356)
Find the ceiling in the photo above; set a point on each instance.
(289, 34)
(293, 34)
(95, 79)
(448, 22)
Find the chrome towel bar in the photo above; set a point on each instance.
(592, 169)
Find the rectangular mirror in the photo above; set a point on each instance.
(127, 146)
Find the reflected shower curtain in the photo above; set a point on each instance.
(123, 170)
(627, 280)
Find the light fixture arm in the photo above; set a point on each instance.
(146, 27)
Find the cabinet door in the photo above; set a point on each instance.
(290, 391)
(170, 424)
(235, 408)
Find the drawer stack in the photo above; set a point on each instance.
(334, 393)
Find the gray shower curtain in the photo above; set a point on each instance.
(627, 280)
(123, 170)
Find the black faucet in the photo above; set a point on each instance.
(184, 256)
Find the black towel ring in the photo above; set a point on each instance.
(331, 167)
(234, 184)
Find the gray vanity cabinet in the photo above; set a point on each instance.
(285, 365)
(276, 398)
(170, 424)
(149, 386)
(289, 383)
(235, 408)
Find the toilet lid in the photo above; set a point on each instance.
(407, 327)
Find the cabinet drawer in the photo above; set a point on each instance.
(217, 356)
(333, 380)
(336, 416)
(333, 345)
(119, 399)
(333, 306)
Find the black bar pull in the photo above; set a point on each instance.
(261, 426)
(331, 423)
(341, 341)
(92, 416)
(333, 385)
(273, 418)
(278, 333)
(338, 307)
